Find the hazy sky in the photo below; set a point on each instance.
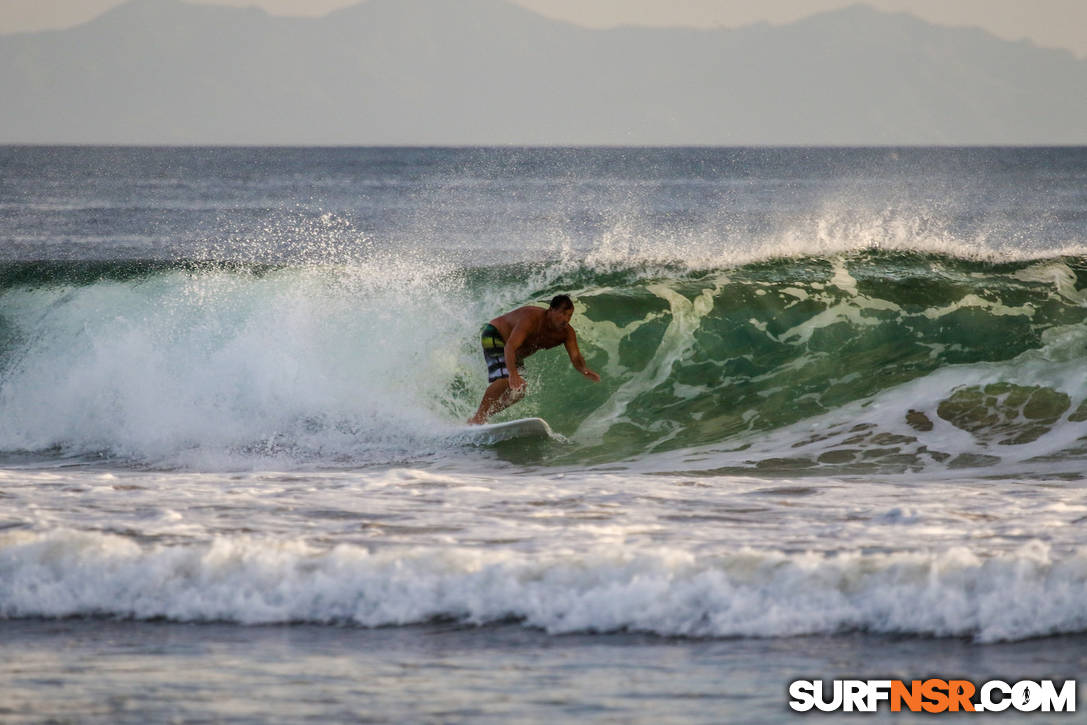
(1052, 23)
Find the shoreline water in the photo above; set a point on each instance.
(110, 671)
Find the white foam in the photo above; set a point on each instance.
(182, 367)
(1027, 593)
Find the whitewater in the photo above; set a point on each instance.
(841, 428)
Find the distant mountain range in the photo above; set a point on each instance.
(489, 72)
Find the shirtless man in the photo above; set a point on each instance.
(509, 339)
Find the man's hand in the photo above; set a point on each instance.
(517, 383)
(591, 375)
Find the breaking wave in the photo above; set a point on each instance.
(861, 361)
(1028, 593)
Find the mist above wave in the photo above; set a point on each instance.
(374, 358)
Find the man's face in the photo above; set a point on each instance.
(561, 318)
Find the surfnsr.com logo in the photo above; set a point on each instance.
(932, 695)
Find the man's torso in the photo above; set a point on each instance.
(540, 335)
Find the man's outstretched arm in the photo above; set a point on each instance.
(575, 356)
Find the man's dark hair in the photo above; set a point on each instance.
(562, 302)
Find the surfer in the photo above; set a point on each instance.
(509, 339)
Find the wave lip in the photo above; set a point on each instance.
(1032, 592)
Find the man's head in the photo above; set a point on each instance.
(561, 302)
(561, 310)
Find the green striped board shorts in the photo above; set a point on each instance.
(494, 353)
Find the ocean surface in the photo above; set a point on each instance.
(841, 431)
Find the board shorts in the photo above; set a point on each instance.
(494, 353)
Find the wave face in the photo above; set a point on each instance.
(861, 361)
(1030, 592)
(890, 360)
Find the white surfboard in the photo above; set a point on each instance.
(495, 432)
